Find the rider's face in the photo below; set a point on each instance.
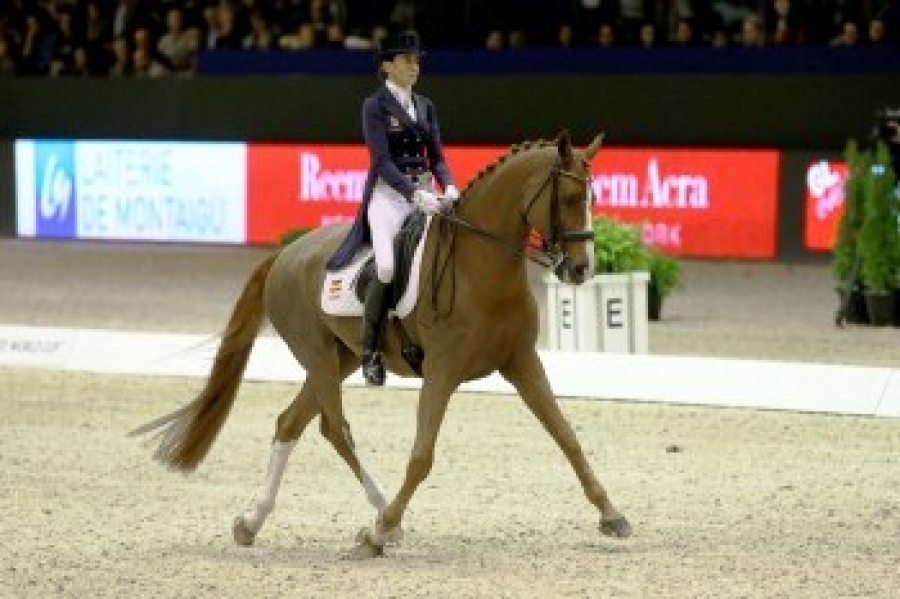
(403, 69)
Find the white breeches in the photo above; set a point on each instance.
(387, 211)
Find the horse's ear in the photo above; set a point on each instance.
(592, 149)
(564, 143)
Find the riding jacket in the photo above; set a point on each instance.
(400, 149)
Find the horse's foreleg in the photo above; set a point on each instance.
(526, 373)
(433, 400)
(290, 426)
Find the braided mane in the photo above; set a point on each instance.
(513, 150)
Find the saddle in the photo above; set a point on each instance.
(404, 249)
(405, 245)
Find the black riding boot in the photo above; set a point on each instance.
(372, 327)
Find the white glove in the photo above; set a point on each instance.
(427, 201)
(451, 193)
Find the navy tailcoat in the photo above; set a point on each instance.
(398, 146)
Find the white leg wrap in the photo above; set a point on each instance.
(373, 491)
(265, 500)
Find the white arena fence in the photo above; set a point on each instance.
(772, 385)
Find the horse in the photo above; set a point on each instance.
(474, 315)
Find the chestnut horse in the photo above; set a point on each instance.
(475, 315)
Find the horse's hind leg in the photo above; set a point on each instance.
(340, 439)
(526, 373)
(321, 393)
(336, 429)
(291, 424)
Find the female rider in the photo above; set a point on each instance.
(403, 137)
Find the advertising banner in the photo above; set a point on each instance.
(825, 181)
(139, 191)
(705, 203)
(689, 202)
(306, 186)
(301, 186)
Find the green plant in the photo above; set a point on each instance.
(618, 247)
(879, 239)
(291, 235)
(844, 252)
(665, 272)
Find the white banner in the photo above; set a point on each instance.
(140, 191)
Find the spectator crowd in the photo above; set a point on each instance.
(150, 38)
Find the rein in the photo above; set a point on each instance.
(546, 260)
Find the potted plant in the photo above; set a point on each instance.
(845, 257)
(618, 248)
(879, 239)
(665, 274)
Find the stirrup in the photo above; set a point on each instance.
(373, 369)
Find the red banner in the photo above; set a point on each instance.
(707, 203)
(308, 186)
(290, 186)
(825, 181)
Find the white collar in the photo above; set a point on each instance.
(403, 94)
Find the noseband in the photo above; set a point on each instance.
(551, 252)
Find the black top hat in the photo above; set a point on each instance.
(405, 42)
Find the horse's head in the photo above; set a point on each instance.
(561, 211)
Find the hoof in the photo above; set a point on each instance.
(363, 551)
(391, 537)
(366, 536)
(381, 536)
(617, 527)
(243, 536)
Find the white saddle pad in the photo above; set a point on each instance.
(339, 290)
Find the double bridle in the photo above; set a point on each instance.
(551, 252)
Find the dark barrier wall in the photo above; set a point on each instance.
(809, 112)
(7, 190)
(550, 61)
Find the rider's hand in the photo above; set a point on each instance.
(451, 193)
(427, 201)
